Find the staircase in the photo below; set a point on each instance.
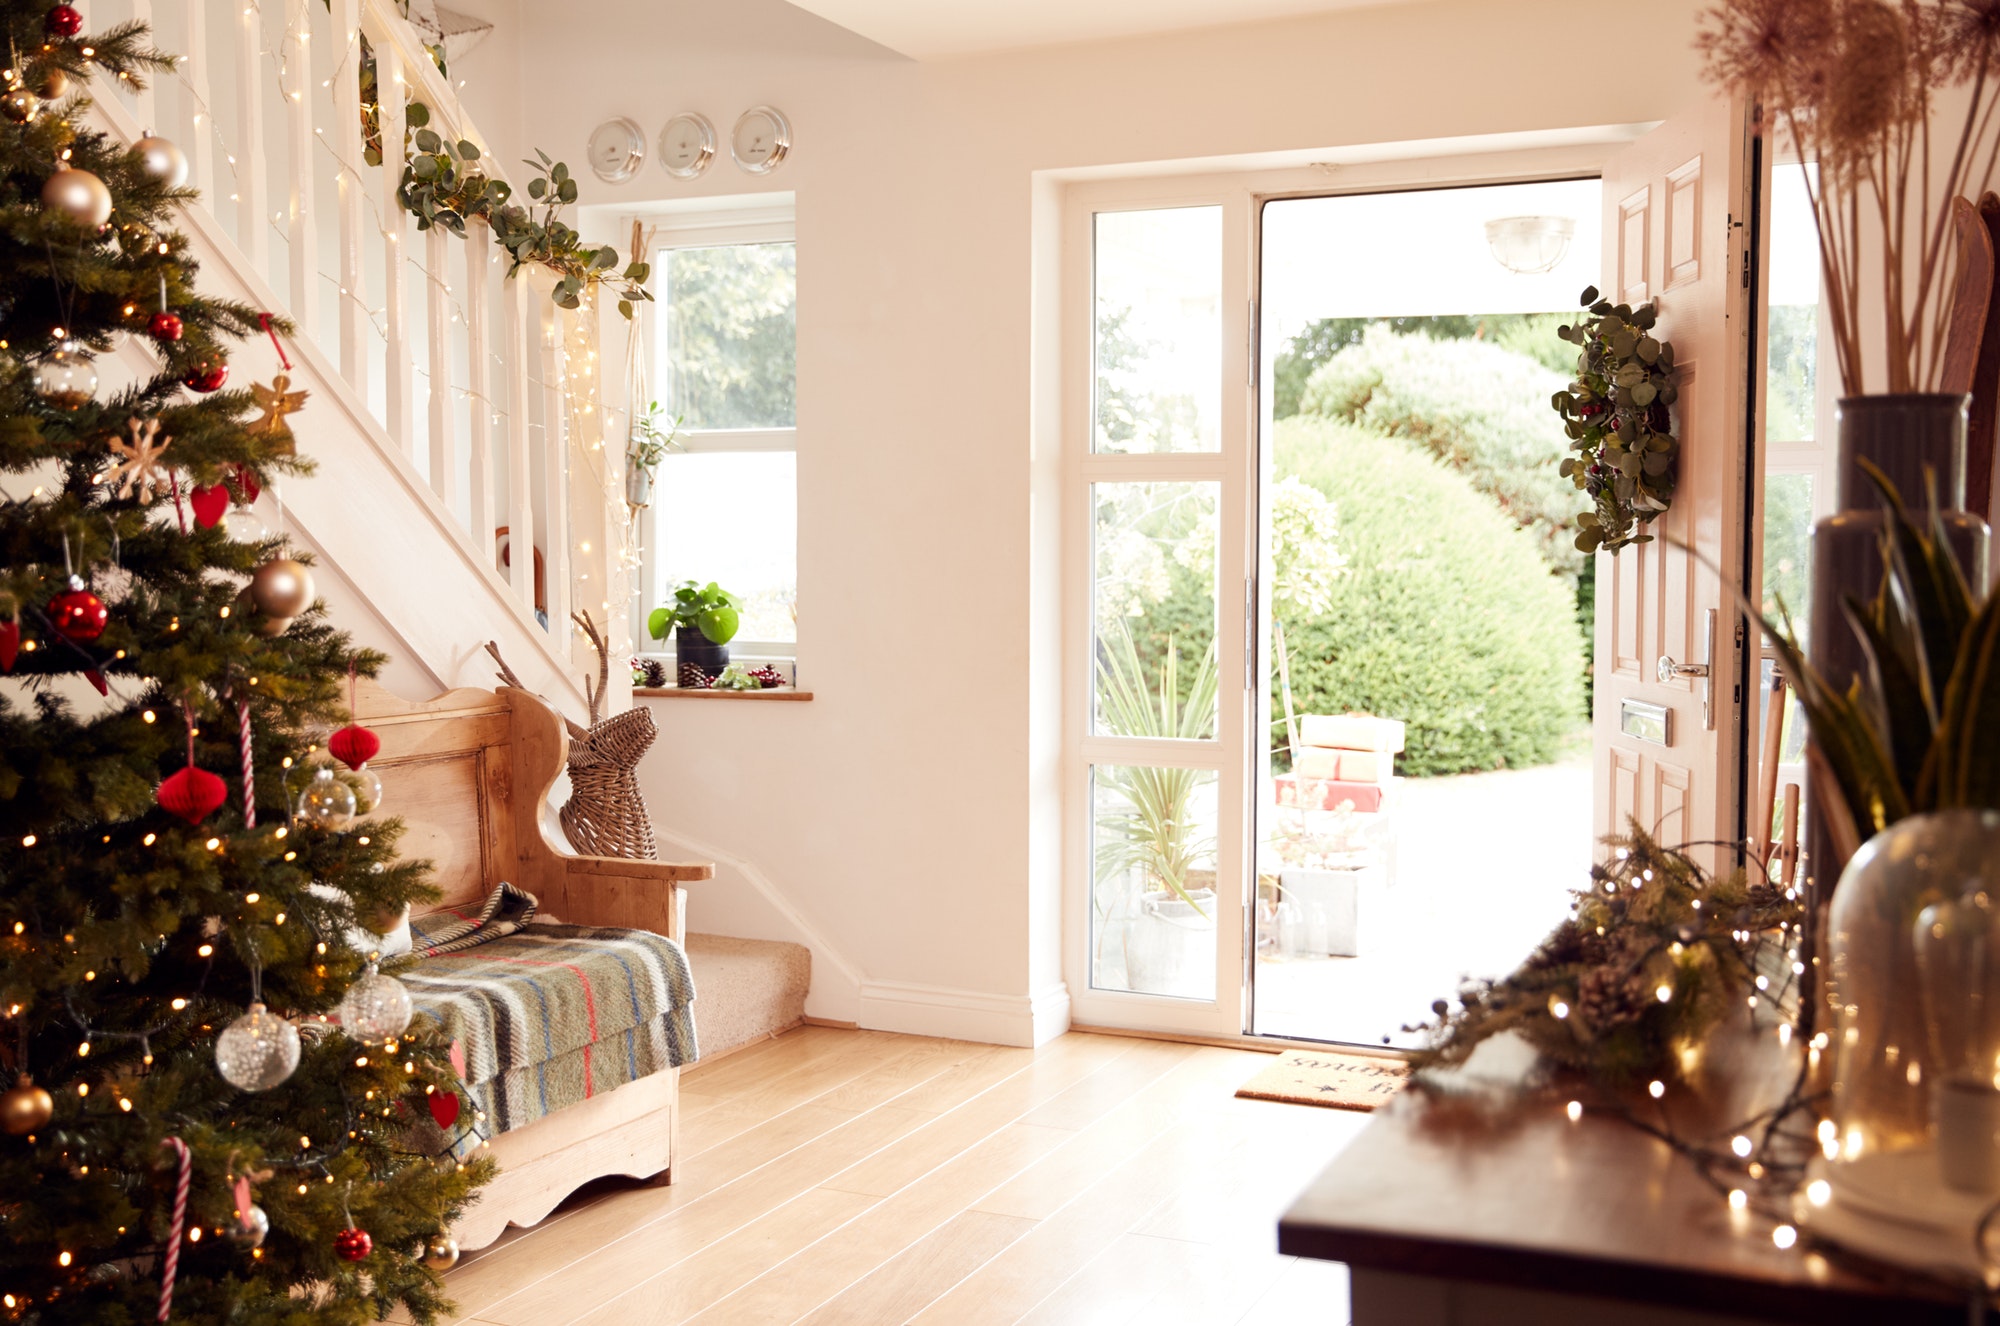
(746, 990)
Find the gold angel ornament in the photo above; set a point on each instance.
(138, 467)
(277, 401)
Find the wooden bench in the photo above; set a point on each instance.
(470, 773)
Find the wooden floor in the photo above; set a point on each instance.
(835, 1176)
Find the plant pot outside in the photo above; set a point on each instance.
(692, 649)
(1170, 948)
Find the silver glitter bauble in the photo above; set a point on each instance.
(249, 1227)
(282, 587)
(441, 1253)
(376, 1007)
(327, 803)
(162, 160)
(78, 195)
(257, 1051)
(66, 377)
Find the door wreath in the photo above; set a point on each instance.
(1618, 417)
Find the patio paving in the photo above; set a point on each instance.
(1484, 864)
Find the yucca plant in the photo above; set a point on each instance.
(1921, 730)
(1156, 830)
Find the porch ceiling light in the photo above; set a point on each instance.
(1526, 245)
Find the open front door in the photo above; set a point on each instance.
(1670, 671)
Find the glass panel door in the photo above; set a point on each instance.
(1161, 720)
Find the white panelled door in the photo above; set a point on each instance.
(1670, 672)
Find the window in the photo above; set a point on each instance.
(725, 506)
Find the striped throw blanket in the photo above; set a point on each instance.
(549, 1015)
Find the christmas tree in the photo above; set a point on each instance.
(171, 1146)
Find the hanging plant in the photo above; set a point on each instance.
(1618, 417)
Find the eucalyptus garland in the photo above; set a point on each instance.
(1656, 953)
(1619, 422)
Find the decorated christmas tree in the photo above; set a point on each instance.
(212, 1098)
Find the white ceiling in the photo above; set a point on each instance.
(924, 28)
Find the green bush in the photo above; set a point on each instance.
(1445, 616)
(1478, 408)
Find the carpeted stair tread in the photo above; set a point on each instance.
(746, 989)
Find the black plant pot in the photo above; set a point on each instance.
(696, 651)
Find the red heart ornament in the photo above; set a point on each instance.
(353, 745)
(10, 644)
(193, 794)
(458, 1058)
(444, 1108)
(246, 484)
(96, 678)
(209, 503)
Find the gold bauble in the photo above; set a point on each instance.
(163, 160)
(20, 105)
(54, 85)
(246, 611)
(442, 1253)
(282, 588)
(25, 1107)
(78, 195)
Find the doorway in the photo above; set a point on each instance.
(1423, 803)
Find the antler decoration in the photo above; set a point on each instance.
(595, 699)
(576, 729)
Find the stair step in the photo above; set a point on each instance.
(746, 989)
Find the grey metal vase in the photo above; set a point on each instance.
(1916, 439)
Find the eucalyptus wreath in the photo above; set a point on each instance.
(1619, 423)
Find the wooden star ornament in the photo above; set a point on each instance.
(138, 468)
(277, 401)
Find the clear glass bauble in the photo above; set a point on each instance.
(366, 785)
(243, 525)
(375, 1007)
(327, 802)
(1914, 992)
(257, 1051)
(66, 377)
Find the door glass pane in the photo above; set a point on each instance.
(1159, 330)
(1154, 597)
(1153, 904)
(730, 344)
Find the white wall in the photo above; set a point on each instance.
(907, 814)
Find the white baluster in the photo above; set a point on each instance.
(555, 474)
(252, 214)
(346, 141)
(302, 238)
(479, 253)
(519, 355)
(400, 395)
(437, 307)
(200, 146)
(143, 106)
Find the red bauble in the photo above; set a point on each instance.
(206, 375)
(353, 1244)
(354, 745)
(164, 326)
(10, 644)
(63, 21)
(193, 794)
(78, 614)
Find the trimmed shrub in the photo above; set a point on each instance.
(1445, 615)
(1478, 408)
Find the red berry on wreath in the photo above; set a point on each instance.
(63, 21)
(78, 614)
(206, 375)
(164, 326)
(353, 1244)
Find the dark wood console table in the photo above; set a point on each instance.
(1483, 1205)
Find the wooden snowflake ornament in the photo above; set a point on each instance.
(138, 468)
(277, 401)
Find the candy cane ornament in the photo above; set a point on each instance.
(177, 1228)
(249, 772)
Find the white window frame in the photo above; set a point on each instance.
(764, 224)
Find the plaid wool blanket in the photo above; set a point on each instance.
(500, 913)
(549, 1015)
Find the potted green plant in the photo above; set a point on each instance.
(646, 445)
(704, 619)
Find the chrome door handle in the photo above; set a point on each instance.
(1670, 671)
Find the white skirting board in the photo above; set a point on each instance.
(966, 1015)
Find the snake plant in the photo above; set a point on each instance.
(1920, 730)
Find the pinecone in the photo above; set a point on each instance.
(656, 672)
(1613, 993)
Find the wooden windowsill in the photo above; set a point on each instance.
(675, 692)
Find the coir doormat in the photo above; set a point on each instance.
(1330, 1078)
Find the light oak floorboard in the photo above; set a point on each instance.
(833, 1176)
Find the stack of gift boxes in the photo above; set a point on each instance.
(1342, 789)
